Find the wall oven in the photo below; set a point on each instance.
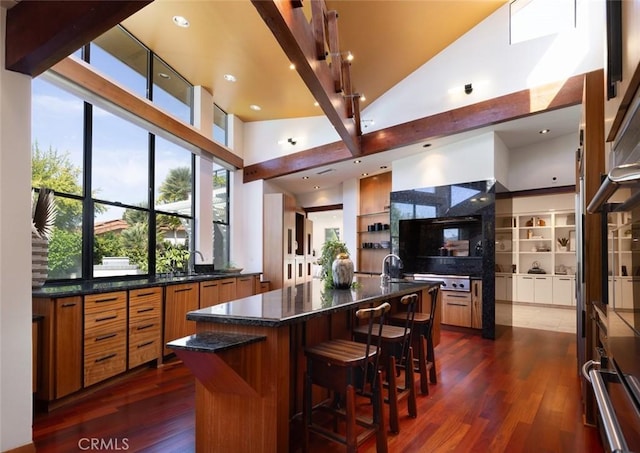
(615, 377)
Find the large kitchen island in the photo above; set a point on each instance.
(248, 357)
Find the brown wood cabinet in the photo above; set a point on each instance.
(145, 325)
(374, 240)
(61, 358)
(209, 293)
(228, 289)
(178, 301)
(105, 336)
(279, 249)
(456, 308)
(245, 286)
(476, 304)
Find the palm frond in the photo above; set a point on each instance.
(43, 213)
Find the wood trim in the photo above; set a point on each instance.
(536, 192)
(41, 33)
(27, 448)
(494, 111)
(629, 94)
(87, 78)
(330, 207)
(291, 29)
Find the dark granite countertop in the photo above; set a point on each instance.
(298, 303)
(105, 286)
(214, 341)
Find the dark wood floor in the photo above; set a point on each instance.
(519, 393)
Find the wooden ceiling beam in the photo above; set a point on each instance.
(41, 33)
(493, 111)
(294, 34)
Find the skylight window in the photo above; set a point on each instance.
(531, 19)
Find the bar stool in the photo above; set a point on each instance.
(422, 341)
(396, 355)
(347, 368)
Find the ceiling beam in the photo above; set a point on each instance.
(486, 113)
(41, 33)
(294, 34)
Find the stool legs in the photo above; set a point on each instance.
(409, 386)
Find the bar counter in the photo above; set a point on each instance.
(248, 394)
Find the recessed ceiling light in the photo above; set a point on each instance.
(305, 177)
(362, 98)
(544, 131)
(164, 76)
(316, 104)
(257, 108)
(229, 77)
(181, 21)
(292, 66)
(316, 187)
(357, 161)
(426, 145)
(383, 167)
(365, 174)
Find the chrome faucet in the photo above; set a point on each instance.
(385, 277)
(192, 261)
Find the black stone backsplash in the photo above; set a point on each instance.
(456, 200)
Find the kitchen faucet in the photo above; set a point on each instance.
(385, 277)
(192, 262)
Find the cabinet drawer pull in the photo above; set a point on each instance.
(457, 305)
(106, 318)
(105, 336)
(565, 279)
(106, 357)
(142, 345)
(108, 299)
(245, 279)
(146, 326)
(204, 285)
(144, 310)
(181, 290)
(68, 304)
(527, 278)
(456, 296)
(145, 294)
(228, 283)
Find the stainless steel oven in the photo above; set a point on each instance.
(615, 376)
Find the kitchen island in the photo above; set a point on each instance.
(248, 357)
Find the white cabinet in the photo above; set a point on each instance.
(623, 288)
(504, 287)
(535, 288)
(564, 290)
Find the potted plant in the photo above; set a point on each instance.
(43, 215)
(334, 250)
(563, 243)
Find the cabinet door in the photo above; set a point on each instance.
(501, 287)
(456, 308)
(524, 288)
(562, 290)
(627, 292)
(227, 289)
(145, 325)
(209, 293)
(68, 346)
(543, 290)
(476, 304)
(244, 286)
(179, 300)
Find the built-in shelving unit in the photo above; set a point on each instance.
(531, 264)
(374, 235)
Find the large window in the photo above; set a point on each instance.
(220, 217)
(124, 196)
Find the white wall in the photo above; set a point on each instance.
(501, 161)
(322, 197)
(15, 255)
(203, 225)
(464, 161)
(535, 166)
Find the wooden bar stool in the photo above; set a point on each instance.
(396, 353)
(422, 341)
(347, 368)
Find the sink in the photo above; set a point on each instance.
(203, 269)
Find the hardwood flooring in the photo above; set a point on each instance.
(519, 393)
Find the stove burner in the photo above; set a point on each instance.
(449, 282)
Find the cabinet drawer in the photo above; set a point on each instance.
(144, 311)
(103, 364)
(107, 320)
(144, 346)
(145, 298)
(104, 302)
(456, 308)
(102, 343)
(144, 331)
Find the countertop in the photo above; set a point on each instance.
(105, 286)
(298, 303)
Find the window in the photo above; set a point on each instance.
(530, 19)
(219, 125)
(220, 216)
(124, 196)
